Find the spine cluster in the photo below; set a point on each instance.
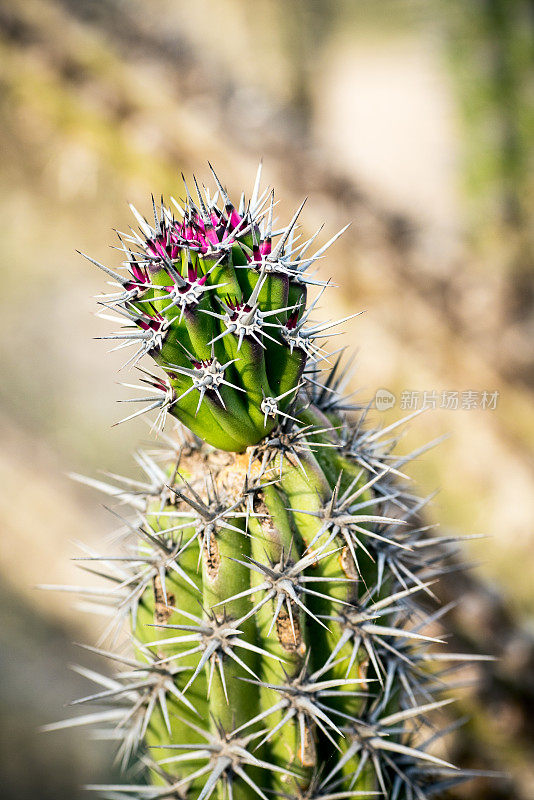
(268, 601)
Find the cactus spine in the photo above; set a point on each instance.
(270, 566)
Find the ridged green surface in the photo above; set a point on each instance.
(274, 573)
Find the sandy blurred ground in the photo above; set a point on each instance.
(103, 103)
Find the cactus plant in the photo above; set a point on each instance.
(271, 576)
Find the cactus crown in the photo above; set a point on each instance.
(276, 595)
(218, 298)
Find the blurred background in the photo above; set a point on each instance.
(412, 120)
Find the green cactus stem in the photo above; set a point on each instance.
(266, 602)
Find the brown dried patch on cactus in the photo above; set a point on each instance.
(162, 610)
(264, 517)
(307, 748)
(235, 474)
(347, 564)
(212, 558)
(290, 636)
